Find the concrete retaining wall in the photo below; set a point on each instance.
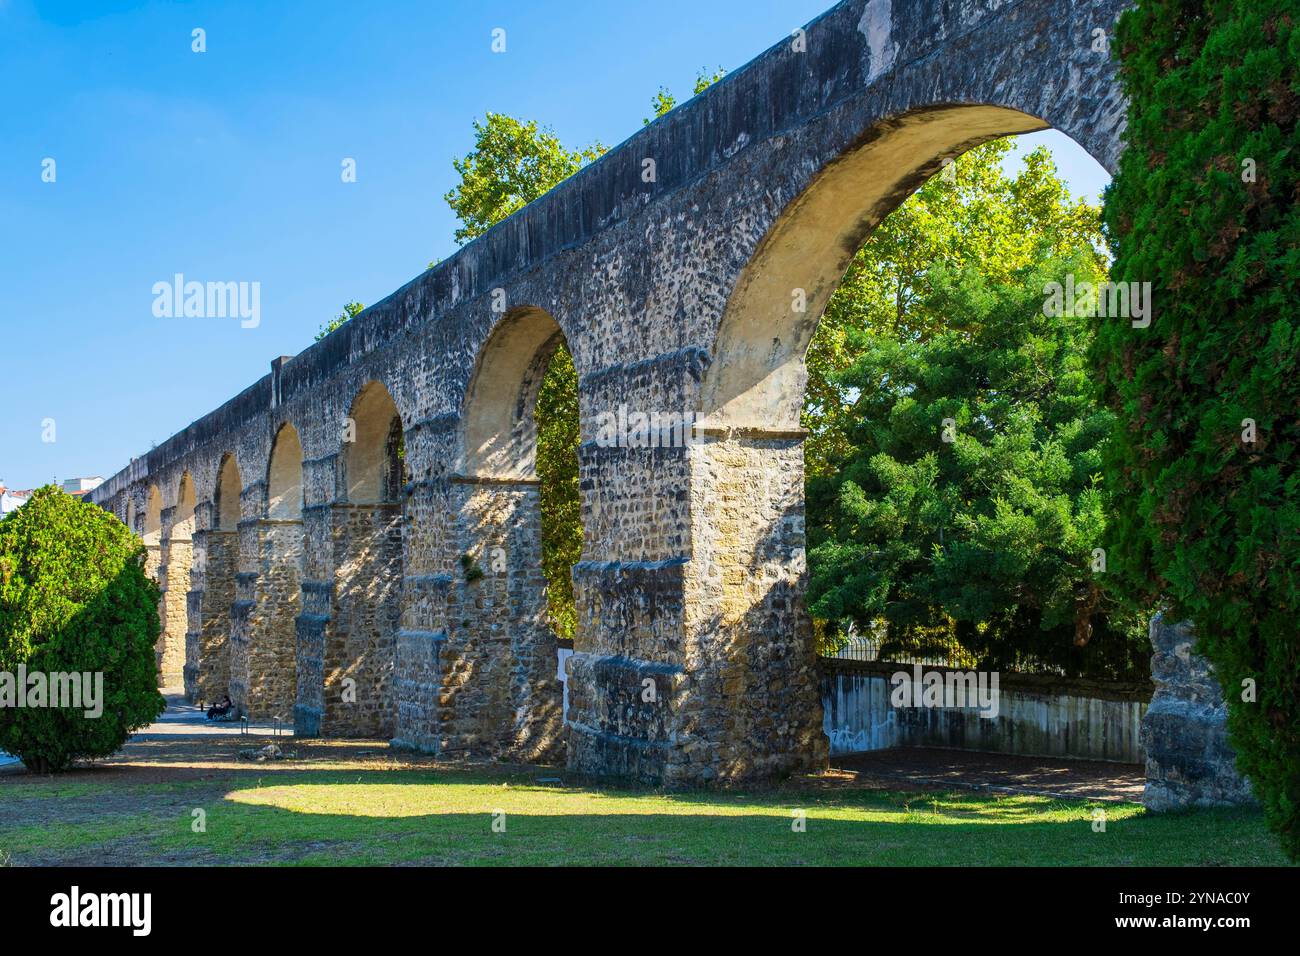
(1040, 715)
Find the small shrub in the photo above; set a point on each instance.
(74, 598)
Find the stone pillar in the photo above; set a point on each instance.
(755, 710)
(316, 603)
(175, 580)
(1184, 732)
(252, 503)
(499, 691)
(536, 730)
(694, 661)
(194, 618)
(628, 681)
(153, 568)
(194, 601)
(217, 595)
(360, 635)
(428, 563)
(270, 681)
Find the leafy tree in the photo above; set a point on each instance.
(74, 598)
(970, 499)
(971, 214)
(1204, 207)
(511, 165)
(561, 501)
(350, 311)
(665, 102)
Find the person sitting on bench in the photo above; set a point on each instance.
(220, 710)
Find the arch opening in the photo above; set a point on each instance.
(151, 535)
(499, 436)
(359, 651)
(375, 459)
(515, 500)
(753, 402)
(284, 476)
(757, 378)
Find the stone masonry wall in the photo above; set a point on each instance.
(1184, 732)
(222, 549)
(272, 686)
(498, 689)
(175, 577)
(360, 638)
(750, 647)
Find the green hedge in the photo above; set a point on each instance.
(1205, 207)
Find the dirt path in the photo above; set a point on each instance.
(913, 767)
(182, 745)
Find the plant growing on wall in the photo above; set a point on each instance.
(350, 312)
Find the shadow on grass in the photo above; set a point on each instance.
(276, 814)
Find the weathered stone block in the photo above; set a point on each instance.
(1184, 732)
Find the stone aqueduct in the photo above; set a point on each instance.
(331, 502)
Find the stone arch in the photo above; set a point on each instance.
(226, 512)
(498, 667)
(747, 518)
(757, 377)
(359, 642)
(499, 430)
(373, 459)
(151, 525)
(263, 635)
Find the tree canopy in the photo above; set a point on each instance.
(512, 163)
(966, 507)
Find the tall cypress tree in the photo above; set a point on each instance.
(1206, 207)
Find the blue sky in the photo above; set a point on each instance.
(225, 165)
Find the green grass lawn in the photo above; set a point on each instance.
(434, 816)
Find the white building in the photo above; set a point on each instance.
(11, 498)
(79, 486)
